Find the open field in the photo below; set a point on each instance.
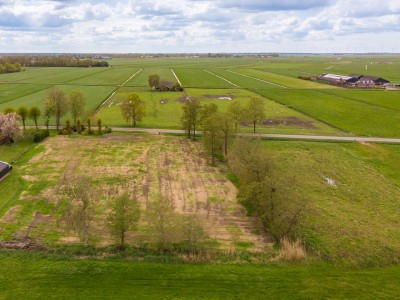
(164, 110)
(35, 276)
(342, 223)
(356, 220)
(151, 166)
(330, 109)
(356, 117)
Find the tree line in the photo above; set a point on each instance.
(219, 127)
(165, 228)
(52, 61)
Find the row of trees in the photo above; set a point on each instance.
(266, 192)
(10, 68)
(56, 104)
(164, 226)
(218, 127)
(52, 61)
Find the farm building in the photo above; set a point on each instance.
(5, 168)
(353, 80)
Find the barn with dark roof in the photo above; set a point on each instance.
(5, 168)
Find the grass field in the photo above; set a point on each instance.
(356, 117)
(164, 111)
(370, 113)
(357, 219)
(38, 276)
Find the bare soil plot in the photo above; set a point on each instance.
(145, 165)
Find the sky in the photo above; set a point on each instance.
(199, 26)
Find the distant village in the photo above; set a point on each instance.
(357, 81)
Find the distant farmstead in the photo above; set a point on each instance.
(5, 168)
(354, 80)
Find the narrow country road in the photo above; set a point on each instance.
(264, 135)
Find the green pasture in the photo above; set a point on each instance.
(164, 110)
(243, 81)
(285, 81)
(356, 220)
(141, 79)
(32, 74)
(42, 276)
(198, 78)
(10, 92)
(94, 96)
(343, 113)
(107, 76)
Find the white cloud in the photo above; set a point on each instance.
(197, 26)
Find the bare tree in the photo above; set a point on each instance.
(123, 217)
(163, 223)
(249, 161)
(80, 210)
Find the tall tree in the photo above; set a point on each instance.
(76, 104)
(34, 114)
(255, 111)
(123, 217)
(133, 109)
(192, 112)
(237, 112)
(212, 135)
(154, 81)
(226, 124)
(23, 112)
(57, 103)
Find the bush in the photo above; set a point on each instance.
(40, 135)
(107, 130)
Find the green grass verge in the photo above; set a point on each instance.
(34, 275)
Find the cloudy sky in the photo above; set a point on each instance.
(200, 26)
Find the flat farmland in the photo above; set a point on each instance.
(164, 110)
(172, 167)
(331, 110)
(141, 79)
(351, 116)
(10, 92)
(107, 76)
(94, 96)
(286, 81)
(245, 81)
(198, 78)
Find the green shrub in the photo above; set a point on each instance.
(40, 135)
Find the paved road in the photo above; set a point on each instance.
(270, 135)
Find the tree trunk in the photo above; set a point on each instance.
(122, 239)
(226, 145)
(194, 131)
(36, 123)
(23, 123)
(254, 124)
